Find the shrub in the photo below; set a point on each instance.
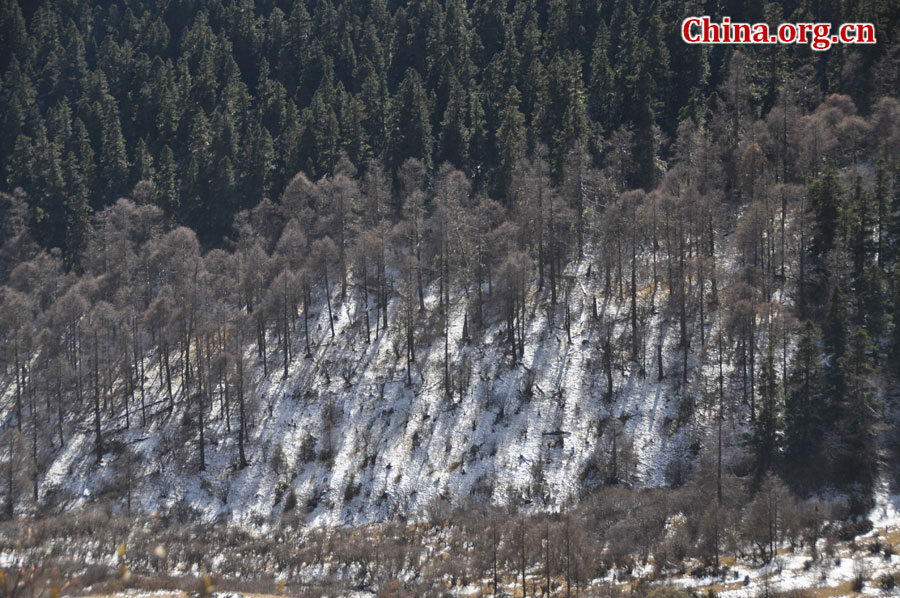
(352, 490)
(313, 501)
(849, 530)
(307, 452)
(290, 502)
(277, 459)
(859, 581)
(667, 592)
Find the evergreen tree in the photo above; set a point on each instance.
(859, 221)
(767, 425)
(167, 198)
(454, 141)
(13, 32)
(323, 129)
(871, 301)
(510, 140)
(353, 134)
(837, 323)
(78, 210)
(568, 105)
(377, 102)
(803, 411)
(603, 103)
(143, 163)
(195, 180)
(895, 330)
(826, 199)
(287, 147)
(79, 146)
(411, 124)
(859, 413)
(39, 169)
(113, 167)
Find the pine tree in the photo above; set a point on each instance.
(13, 32)
(642, 116)
(167, 197)
(353, 134)
(80, 146)
(287, 147)
(18, 95)
(39, 169)
(803, 415)
(510, 140)
(860, 218)
(195, 178)
(895, 330)
(479, 149)
(603, 105)
(259, 165)
(767, 425)
(323, 129)
(454, 141)
(143, 162)
(859, 413)
(78, 210)
(836, 324)
(113, 167)
(871, 301)
(567, 105)
(377, 102)
(826, 199)
(411, 124)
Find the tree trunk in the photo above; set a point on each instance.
(19, 383)
(200, 404)
(242, 424)
(98, 437)
(328, 300)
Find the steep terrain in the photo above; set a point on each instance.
(352, 442)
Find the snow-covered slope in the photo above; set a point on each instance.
(353, 443)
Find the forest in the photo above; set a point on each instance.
(221, 216)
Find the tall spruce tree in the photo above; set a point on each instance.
(860, 411)
(767, 425)
(803, 409)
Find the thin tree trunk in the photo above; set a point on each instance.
(242, 427)
(98, 437)
(328, 300)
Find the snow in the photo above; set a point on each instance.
(886, 512)
(408, 446)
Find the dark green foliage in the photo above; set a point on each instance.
(766, 427)
(293, 86)
(510, 139)
(835, 331)
(410, 135)
(895, 331)
(803, 414)
(826, 198)
(859, 412)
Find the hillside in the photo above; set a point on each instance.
(429, 344)
(447, 297)
(357, 444)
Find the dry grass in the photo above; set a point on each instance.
(843, 589)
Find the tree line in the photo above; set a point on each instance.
(219, 104)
